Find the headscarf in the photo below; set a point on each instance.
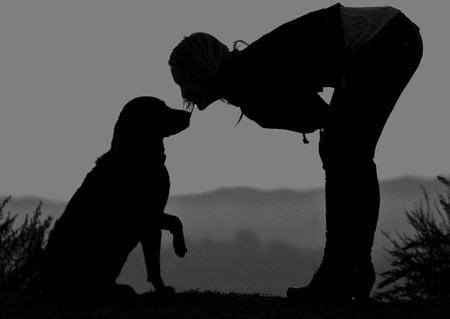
(201, 54)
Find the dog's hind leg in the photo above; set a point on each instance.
(174, 225)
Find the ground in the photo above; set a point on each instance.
(200, 305)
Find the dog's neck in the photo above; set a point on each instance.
(154, 152)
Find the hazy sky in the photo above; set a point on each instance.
(68, 67)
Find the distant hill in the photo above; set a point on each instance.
(249, 240)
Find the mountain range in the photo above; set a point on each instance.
(249, 240)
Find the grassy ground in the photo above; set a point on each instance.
(212, 305)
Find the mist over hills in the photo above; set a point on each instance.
(249, 240)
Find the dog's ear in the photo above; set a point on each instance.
(147, 118)
(137, 121)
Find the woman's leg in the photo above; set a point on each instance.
(374, 80)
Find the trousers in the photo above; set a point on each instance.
(373, 79)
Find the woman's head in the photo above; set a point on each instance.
(194, 63)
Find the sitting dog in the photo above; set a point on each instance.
(119, 204)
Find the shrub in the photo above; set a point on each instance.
(421, 261)
(21, 249)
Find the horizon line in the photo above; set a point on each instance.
(226, 188)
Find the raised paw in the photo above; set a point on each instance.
(179, 246)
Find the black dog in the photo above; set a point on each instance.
(119, 204)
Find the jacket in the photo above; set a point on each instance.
(275, 80)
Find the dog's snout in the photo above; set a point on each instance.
(176, 121)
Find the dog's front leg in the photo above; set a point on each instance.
(174, 225)
(151, 245)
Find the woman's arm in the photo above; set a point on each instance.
(304, 114)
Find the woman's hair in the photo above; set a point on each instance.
(201, 54)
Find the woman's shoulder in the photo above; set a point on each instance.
(306, 27)
(293, 41)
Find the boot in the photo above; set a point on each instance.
(321, 291)
(331, 284)
(336, 285)
(365, 227)
(363, 281)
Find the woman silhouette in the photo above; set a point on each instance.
(368, 55)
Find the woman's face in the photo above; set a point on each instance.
(191, 89)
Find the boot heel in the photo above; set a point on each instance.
(363, 283)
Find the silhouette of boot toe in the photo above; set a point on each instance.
(165, 291)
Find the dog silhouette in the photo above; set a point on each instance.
(119, 204)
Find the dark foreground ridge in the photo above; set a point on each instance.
(200, 305)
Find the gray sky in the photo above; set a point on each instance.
(68, 67)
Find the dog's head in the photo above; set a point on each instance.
(145, 119)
